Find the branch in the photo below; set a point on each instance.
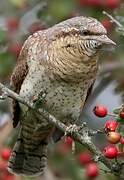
(120, 27)
(83, 136)
(113, 19)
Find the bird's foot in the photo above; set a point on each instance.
(73, 147)
(71, 128)
(3, 96)
(82, 126)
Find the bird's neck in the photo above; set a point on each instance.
(71, 65)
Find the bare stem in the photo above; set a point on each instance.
(113, 115)
(113, 19)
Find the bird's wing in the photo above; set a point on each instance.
(79, 121)
(33, 47)
(17, 78)
(87, 96)
(89, 92)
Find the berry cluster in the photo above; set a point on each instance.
(107, 24)
(84, 159)
(36, 26)
(4, 156)
(112, 131)
(110, 4)
(114, 137)
(14, 49)
(12, 26)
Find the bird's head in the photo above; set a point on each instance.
(75, 45)
(84, 33)
(92, 32)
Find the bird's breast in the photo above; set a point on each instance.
(63, 99)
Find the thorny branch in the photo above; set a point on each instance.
(120, 27)
(83, 136)
(113, 19)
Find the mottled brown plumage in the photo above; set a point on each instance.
(62, 62)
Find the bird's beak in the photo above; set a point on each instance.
(105, 40)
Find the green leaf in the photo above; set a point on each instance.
(2, 35)
(61, 9)
(116, 111)
(6, 64)
(120, 120)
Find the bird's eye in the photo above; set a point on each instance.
(95, 44)
(85, 32)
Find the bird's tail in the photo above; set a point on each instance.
(29, 154)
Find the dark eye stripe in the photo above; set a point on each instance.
(87, 32)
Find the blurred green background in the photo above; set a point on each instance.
(19, 19)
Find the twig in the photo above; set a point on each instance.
(82, 137)
(113, 19)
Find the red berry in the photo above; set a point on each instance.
(93, 3)
(84, 158)
(110, 125)
(113, 137)
(63, 149)
(110, 152)
(12, 24)
(100, 111)
(14, 49)
(36, 26)
(82, 2)
(5, 153)
(111, 4)
(68, 140)
(9, 177)
(92, 170)
(107, 24)
(121, 154)
(122, 140)
(3, 166)
(121, 114)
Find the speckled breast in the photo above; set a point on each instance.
(63, 99)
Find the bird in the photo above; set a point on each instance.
(62, 63)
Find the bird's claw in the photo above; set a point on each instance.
(3, 96)
(71, 128)
(82, 126)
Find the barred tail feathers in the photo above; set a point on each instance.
(29, 156)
